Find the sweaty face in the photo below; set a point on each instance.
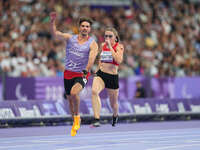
(84, 28)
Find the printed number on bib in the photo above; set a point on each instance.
(106, 56)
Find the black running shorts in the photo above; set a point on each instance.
(111, 81)
(69, 83)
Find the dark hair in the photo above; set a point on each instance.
(82, 19)
(114, 31)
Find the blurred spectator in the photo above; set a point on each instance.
(140, 90)
(161, 37)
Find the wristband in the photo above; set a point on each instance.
(85, 72)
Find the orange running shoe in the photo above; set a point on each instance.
(76, 125)
(77, 122)
(73, 132)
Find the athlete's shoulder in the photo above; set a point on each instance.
(120, 46)
(72, 37)
(94, 44)
(67, 36)
(91, 40)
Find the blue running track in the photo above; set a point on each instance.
(180, 135)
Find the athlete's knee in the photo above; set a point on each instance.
(95, 92)
(73, 93)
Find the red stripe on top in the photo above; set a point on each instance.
(105, 48)
(70, 74)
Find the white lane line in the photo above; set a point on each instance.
(121, 144)
(19, 146)
(120, 132)
(110, 134)
(64, 140)
(93, 146)
(118, 140)
(172, 147)
(119, 136)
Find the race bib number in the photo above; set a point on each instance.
(106, 56)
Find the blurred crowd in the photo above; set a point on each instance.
(161, 38)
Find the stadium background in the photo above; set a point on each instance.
(162, 52)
